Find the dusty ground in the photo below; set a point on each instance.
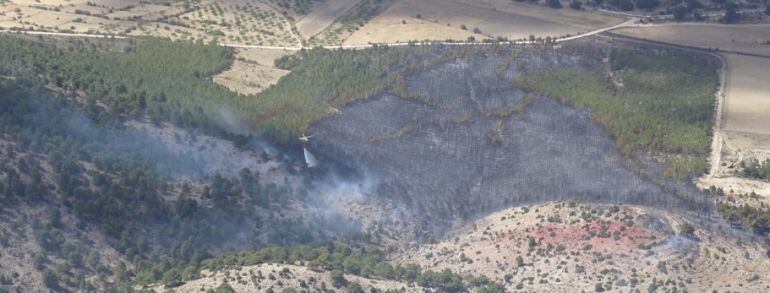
(260, 278)
(745, 132)
(558, 248)
(739, 38)
(748, 94)
(252, 71)
(442, 19)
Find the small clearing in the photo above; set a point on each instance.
(252, 71)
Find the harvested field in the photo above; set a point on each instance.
(747, 107)
(324, 14)
(252, 71)
(737, 38)
(440, 20)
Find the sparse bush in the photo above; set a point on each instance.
(224, 288)
(556, 4)
(680, 12)
(338, 278)
(50, 279)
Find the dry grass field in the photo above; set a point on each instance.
(747, 108)
(252, 71)
(454, 19)
(750, 38)
(559, 248)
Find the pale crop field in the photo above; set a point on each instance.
(454, 19)
(739, 38)
(748, 95)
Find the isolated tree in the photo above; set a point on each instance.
(731, 12)
(693, 4)
(680, 12)
(647, 4)
(224, 288)
(476, 30)
(50, 279)
(626, 5)
(338, 278)
(556, 4)
(355, 288)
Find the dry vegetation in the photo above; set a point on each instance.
(279, 277)
(568, 248)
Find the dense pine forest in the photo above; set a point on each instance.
(171, 81)
(660, 103)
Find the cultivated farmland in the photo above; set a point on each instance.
(751, 39)
(439, 20)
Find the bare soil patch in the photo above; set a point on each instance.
(559, 247)
(252, 71)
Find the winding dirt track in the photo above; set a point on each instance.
(629, 23)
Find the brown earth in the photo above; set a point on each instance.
(572, 249)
